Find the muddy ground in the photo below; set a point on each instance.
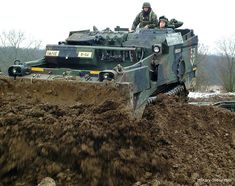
(100, 145)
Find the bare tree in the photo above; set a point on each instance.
(15, 45)
(226, 48)
(201, 59)
(11, 40)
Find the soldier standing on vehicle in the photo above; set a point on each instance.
(146, 18)
(163, 21)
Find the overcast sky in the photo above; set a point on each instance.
(51, 20)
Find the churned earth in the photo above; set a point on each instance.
(101, 145)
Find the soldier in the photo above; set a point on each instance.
(146, 18)
(163, 21)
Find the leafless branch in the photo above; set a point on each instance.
(226, 48)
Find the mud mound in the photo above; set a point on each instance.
(64, 91)
(174, 143)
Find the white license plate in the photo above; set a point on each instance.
(52, 53)
(85, 54)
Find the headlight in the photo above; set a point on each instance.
(107, 75)
(14, 71)
(156, 49)
(18, 70)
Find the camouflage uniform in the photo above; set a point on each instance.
(175, 23)
(142, 20)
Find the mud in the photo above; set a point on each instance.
(65, 91)
(99, 144)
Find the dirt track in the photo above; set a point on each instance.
(174, 143)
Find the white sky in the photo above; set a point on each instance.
(51, 20)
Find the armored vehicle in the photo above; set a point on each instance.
(93, 66)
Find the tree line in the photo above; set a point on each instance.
(217, 69)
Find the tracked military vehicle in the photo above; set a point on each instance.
(137, 66)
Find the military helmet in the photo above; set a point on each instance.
(146, 5)
(163, 18)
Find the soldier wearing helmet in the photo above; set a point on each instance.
(146, 18)
(163, 21)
